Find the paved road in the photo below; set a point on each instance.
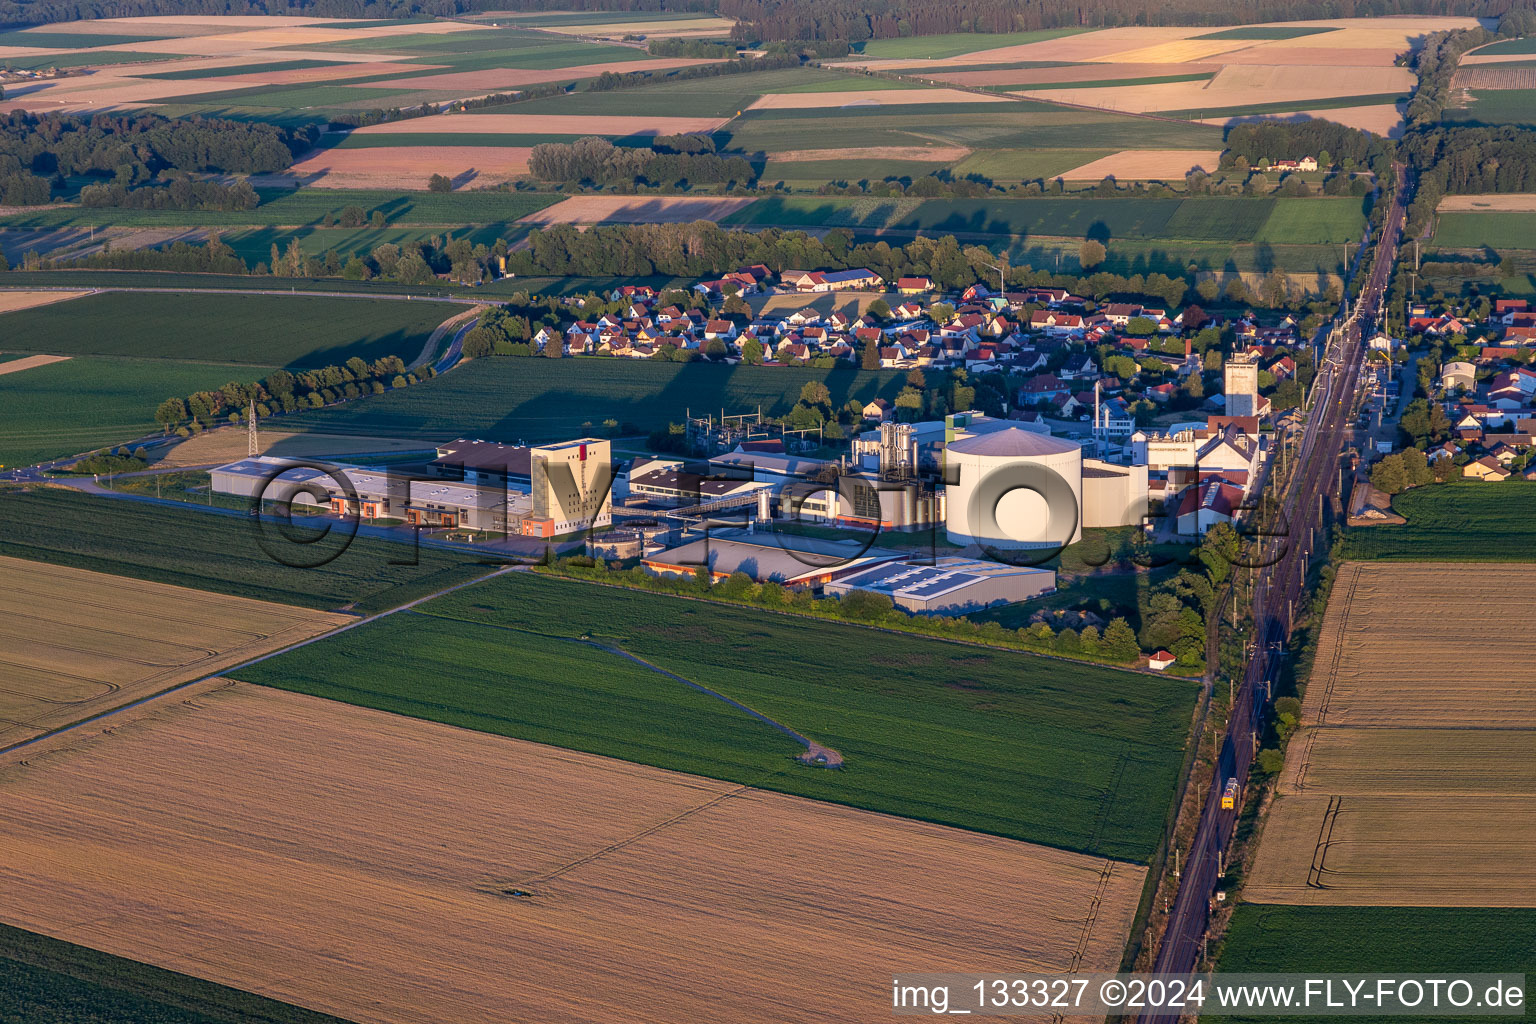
(1279, 586)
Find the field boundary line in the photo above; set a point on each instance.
(649, 830)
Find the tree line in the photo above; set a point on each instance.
(181, 193)
(598, 161)
(283, 391)
(856, 20)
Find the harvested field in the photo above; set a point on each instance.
(1514, 202)
(1238, 86)
(236, 835)
(494, 79)
(1312, 56)
(77, 643)
(12, 301)
(1494, 78)
(1413, 778)
(1094, 46)
(1129, 164)
(543, 124)
(407, 166)
(868, 98)
(1068, 73)
(227, 444)
(1180, 51)
(27, 363)
(1381, 611)
(634, 210)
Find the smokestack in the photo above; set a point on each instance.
(1186, 348)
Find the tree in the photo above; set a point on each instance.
(1389, 476)
(171, 412)
(479, 343)
(1120, 641)
(869, 355)
(1090, 254)
(752, 351)
(879, 309)
(1141, 327)
(439, 183)
(376, 219)
(814, 392)
(554, 348)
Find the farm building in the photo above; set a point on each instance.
(950, 586)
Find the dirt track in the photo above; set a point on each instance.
(240, 835)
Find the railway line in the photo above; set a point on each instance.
(1278, 588)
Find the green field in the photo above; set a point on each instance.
(1267, 32)
(239, 69)
(1496, 106)
(254, 245)
(220, 552)
(259, 330)
(957, 43)
(1465, 521)
(512, 399)
(1417, 941)
(72, 40)
(720, 96)
(1287, 106)
(299, 207)
(818, 172)
(1474, 229)
(75, 60)
(1069, 755)
(46, 981)
(1505, 46)
(1291, 221)
(81, 404)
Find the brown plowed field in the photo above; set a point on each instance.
(75, 643)
(1513, 202)
(1412, 781)
(28, 363)
(409, 166)
(387, 869)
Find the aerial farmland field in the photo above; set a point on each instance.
(1394, 746)
(219, 552)
(991, 740)
(78, 643)
(259, 330)
(1421, 940)
(84, 403)
(509, 399)
(608, 889)
(1463, 521)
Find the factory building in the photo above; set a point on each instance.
(949, 586)
(542, 491)
(791, 561)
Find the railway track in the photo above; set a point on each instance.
(1278, 589)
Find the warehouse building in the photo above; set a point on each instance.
(950, 586)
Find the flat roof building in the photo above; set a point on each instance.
(950, 586)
